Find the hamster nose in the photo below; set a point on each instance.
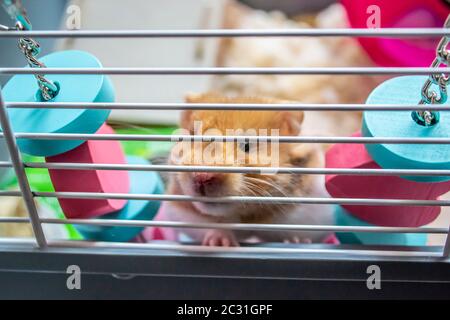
(206, 181)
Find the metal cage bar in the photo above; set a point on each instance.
(21, 175)
(223, 33)
(228, 226)
(228, 106)
(234, 71)
(256, 170)
(245, 199)
(223, 169)
(28, 195)
(251, 138)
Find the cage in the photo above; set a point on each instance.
(37, 267)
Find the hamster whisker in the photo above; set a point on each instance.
(249, 184)
(256, 191)
(279, 206)
(270, 184)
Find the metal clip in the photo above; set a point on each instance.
(429, 96)
(29, 47)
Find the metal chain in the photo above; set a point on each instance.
(29, 47)
(430, 96)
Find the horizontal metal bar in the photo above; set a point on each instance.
(256, 170)
(243, 199)
(248, 250)
(26, 241)
(5, 164)
(325, 32)
(229, 226)
(14, 220)
(227, 106)
(281, 139)
(243, 226)
(8, 193)
(236, 71)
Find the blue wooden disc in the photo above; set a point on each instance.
(399, 124)
(142, 182)
(73, 88)
(343, 218)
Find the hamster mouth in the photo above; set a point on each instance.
(215, 209)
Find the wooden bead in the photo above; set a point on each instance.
(142, 182)
(399, 124)
(343, 218)
(355, 156)
(104, 181)
(73, 88)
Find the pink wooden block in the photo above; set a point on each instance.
(91, 180)
(355, 156)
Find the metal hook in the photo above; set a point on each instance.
(430, 118)
(29, 47)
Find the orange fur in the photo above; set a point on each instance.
(245, 184)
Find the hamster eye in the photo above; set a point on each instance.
(245, 146)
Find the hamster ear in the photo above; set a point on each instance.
(291, 122)
(186, 120)
(192, 97)
(186, 117)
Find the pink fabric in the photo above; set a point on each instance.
(156, 233)
(398, 14)
(331, 239)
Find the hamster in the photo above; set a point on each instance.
(215, 184)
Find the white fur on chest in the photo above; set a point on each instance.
(303, 214)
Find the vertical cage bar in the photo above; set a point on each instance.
(446, 252)
(21, 175)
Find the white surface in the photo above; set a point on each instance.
(52, 231)
(151, 14)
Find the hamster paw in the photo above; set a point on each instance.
(298, 240)
(220, 238)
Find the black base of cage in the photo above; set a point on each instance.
(27, 273)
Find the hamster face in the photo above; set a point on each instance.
(241, 153)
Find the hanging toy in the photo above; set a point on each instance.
(355, 156)
(145, 182)
(396, 124)
(344, 218)
(390, 52)
(406, 91)
(420, 124)
(78, 89)
(105, 181)
(72, 88)
(53, 89)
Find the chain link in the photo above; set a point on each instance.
(29, 47)
(429, 95)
